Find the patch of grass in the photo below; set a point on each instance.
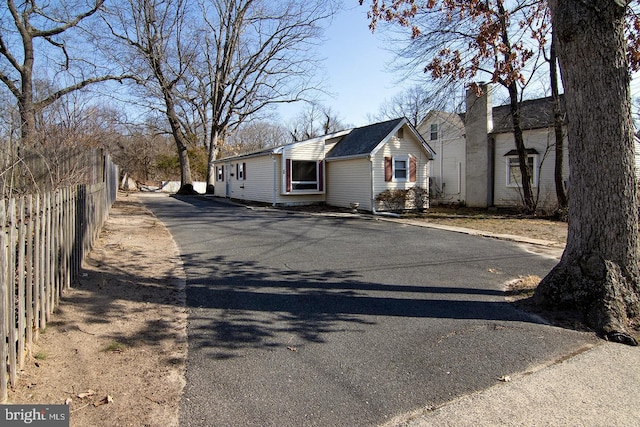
(523, 287)
(115, 347)
(40, 356)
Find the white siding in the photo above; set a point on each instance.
(543, 140)
(306, 151)
(447, 170)
(330, 143)
(349, 181)
(258, 185)
(399, 148)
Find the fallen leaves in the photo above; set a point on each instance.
(89, 395)
(104, 401)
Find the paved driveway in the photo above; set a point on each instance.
(303, 320)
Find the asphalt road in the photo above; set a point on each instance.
(298, 320)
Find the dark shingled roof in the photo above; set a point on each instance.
(363, 140)
(534, 114)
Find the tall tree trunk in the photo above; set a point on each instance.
(561, 194)
(528, 200)
(186, 181)
(598, 272)
(214, 150)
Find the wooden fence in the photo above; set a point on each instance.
(43, 241)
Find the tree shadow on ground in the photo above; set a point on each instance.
(241, 305)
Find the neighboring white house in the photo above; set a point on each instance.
(476, 163)
(445, 133)
(339, 169)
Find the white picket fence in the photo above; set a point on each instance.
(43, 241)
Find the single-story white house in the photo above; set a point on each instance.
(340, 169)
(477, 164)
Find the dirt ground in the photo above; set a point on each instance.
(115, 349)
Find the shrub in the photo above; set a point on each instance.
(393, 200)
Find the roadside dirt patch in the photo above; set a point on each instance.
(115, 348)
(498, 222)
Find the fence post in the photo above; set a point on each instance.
(4, 304)
(57, 233)
(49, 259)
(11, 307)
(37, 272)
(29, 282)
(20, 298)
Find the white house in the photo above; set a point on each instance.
(476, 163)
(339, 169)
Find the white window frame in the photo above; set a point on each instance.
(219, 173)
(240, 171)
(433, 130)
(407, 162)
(304, 190)
(513, 161)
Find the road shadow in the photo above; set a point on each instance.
(241, 305)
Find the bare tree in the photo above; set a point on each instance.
(258, 54)
(413, 103)
(460, 39)
(254, 136)
(315, 120)
(32, 42)
(161, 51)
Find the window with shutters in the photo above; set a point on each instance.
(240, 171)
(400, 169)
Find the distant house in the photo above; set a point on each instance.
(340, 169)
(476, 162)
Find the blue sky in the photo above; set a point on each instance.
(354, 68)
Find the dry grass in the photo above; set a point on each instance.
(502, 222)
(521, 288)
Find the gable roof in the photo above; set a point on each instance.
(357, 142)
(534, 114)
(365, 140)
(278, 149)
